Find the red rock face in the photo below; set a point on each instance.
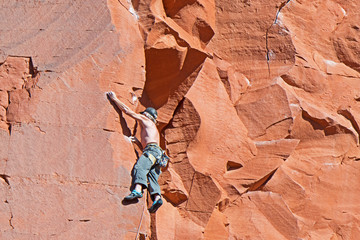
(258, 107)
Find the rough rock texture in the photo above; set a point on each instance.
(259, 110)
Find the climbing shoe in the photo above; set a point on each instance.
(155, 206)
(133, 195)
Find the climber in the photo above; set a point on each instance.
(147, 168)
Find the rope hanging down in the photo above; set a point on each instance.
(142, 215)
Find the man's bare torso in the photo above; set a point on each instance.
(149, 132)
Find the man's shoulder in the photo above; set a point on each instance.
(141, 118)
(146, 121)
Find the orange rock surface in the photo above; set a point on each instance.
(259, 110)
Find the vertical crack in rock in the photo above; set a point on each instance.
(11, 217)
(32, 70)
(268, 51)
(6, 177)
(9, 128)
(188, 128)
(6, 180)
(6, 109)
(191, 185)
(29, 84)
(153, 234)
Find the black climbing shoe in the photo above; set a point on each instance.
(133, 195)
(155, 206)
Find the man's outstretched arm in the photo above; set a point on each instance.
(123, 107)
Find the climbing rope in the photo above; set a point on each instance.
(142, 215)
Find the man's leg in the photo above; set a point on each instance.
(154, 188)
(138, 187)
(141, 169)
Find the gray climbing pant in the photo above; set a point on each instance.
(146, 170)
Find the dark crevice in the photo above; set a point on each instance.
(230, 166)
(282, 5)
(316, 123)
(10, 220)
(282, 120)
(301, 57)
(259, 185)
(8, 104)
(5, 178)
(135, 4)
(28, 91)
(180, 195)
(136, 89)
(9, 128)
(268, 51)
(8, 92)
(173, 7)
(183, 78)
(328, 126)
(283, 156)
(7, 202)
(108, 130)
(223, 74)
(32, 70)
(84, 220)
(347, 114)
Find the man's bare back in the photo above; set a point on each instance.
(149, 132)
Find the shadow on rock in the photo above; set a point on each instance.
(128, 202)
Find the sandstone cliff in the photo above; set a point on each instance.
(259, 109)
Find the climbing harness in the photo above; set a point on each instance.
(151, 157)
(162, 161)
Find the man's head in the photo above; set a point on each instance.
(150, 113)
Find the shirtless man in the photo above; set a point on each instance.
(146, 168)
